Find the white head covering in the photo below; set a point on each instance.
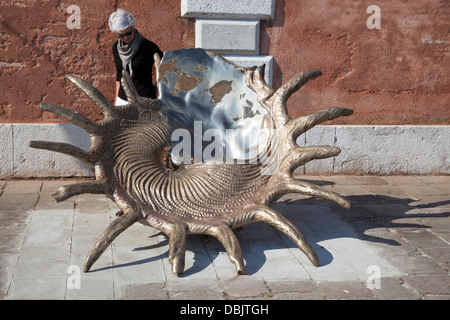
(120, 20)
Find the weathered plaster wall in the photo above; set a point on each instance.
(398, 74)
(38, 50)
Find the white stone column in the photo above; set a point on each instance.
(231, 28)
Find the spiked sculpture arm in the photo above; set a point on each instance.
(129, 155)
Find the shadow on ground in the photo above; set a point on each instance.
(368, 212)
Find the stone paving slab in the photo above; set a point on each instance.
(394, 243)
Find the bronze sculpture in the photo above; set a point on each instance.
(132, 155)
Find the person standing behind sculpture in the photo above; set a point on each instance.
(133, 53)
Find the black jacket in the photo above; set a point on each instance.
(142, 69)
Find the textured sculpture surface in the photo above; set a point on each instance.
(207, 183)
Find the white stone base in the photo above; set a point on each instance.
(18, 160)
(365, 150)
(384, 150)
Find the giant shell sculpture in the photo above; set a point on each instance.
(236, 157)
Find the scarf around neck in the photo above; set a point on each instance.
(127, 51)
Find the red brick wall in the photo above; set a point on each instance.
(398, 74)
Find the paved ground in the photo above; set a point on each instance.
(394, 243)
